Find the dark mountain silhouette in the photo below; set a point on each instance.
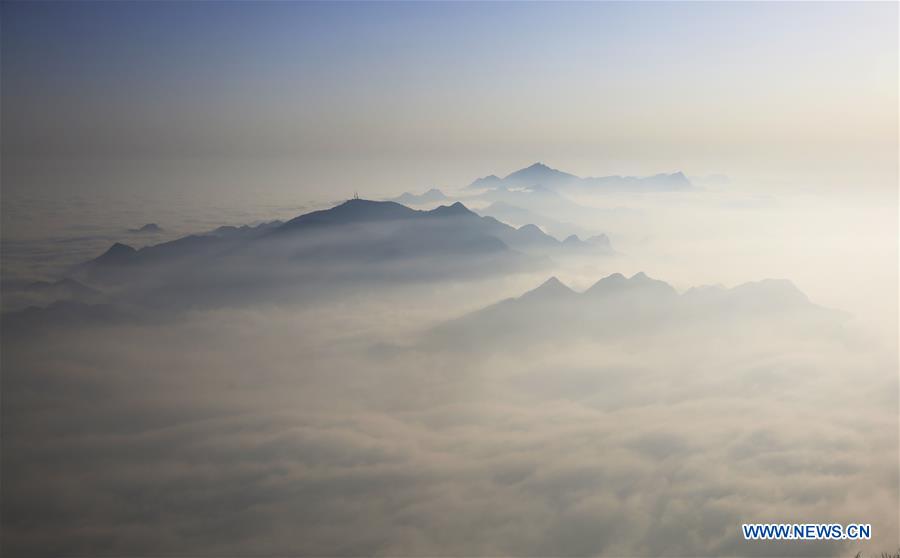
(245, 231)
(540, 175)
(118, 254)
(447, 221)
(149, 228)
(456, 209)
(354, 241)
(355, 223)
(353, 211)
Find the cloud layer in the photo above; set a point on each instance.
(289, 431)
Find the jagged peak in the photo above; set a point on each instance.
(617, 281)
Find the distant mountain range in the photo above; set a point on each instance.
(431, 196)
(353, 241)
(540, 175)
(515, 215)
(433, 232)
(617, 305)
(149, 228)
(373, 228)
(17, 296)
(541, 195)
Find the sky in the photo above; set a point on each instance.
(390, 90)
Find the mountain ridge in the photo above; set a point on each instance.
(541, 175)
(617, 305)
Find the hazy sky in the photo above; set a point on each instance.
(592, 88)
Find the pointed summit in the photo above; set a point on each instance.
(117, 254)
(532, 234)
(539, 174)
(551, 288)
(607, 284)
(538, 166)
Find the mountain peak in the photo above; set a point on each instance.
(432, 195)
(639, 281)
(552, 282)
(552, 287)
(148, 228)
(456, 208)
(353, 210)
(489, 181)
(539, 165)
(537, 173)
(117, 254)
(119, 248)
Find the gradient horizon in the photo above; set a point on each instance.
(800, 90)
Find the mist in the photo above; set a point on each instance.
(447, 279)
(310, 393)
